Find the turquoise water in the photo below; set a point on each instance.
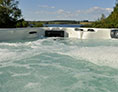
(59, 65)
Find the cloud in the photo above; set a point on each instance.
(91, 14)
(109, 9)
(64, 14)
(94, 13)
(88, 14)
(61, 11)
(98, 10)
(46, 6)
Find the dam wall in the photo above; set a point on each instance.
(80, 33)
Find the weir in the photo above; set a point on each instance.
(68, 32)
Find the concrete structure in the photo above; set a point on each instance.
(80, 33)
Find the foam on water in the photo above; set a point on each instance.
(102, 55)
(59, 65)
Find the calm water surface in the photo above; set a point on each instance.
(62, 25)
(60, 65)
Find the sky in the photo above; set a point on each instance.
(42, 10)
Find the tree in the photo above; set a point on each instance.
(22, 23)
(102, 17)
(10, 14)
(110, 22)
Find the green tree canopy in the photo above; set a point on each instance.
(9, 13)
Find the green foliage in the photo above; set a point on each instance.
(36, 24)
(102, 17)
(9, 13)
(110, 22)
(22, 23)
